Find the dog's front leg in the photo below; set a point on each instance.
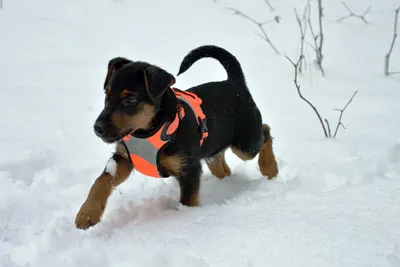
(187, 171)
(116, 171)
(189, 183)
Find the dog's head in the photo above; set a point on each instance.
(133, 94)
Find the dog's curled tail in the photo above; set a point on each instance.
(227, 60)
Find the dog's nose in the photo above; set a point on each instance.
(100, 128)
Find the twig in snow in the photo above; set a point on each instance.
(269, 5)
(351, 14)
(303, 30)
(389, 53)
(327, 128)
(321, 35)
(296, 66)
(260, 25)
(341, 114)
(318, 38)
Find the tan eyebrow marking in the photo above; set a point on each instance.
(125, 93)
(108, 90)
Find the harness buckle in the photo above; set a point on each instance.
(203, 128)
(181, 111)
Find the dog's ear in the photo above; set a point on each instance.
(157, 81)
(113, 65)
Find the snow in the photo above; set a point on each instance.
(335, 202)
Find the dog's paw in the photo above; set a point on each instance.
(89, 214)
(218, 167)
(271, 171)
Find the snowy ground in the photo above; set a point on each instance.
(335, 203)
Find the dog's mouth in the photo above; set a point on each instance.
(110, 138)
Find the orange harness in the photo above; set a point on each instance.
(145, 152)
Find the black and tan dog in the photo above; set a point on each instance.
(141, 106)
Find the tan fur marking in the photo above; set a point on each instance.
(141, 120)
(92, 209)
(193, 201)
(241, 155)
(266, 160)
(146, 82)
(121, 150)
(124, 93)
(172, 164)
(108, 76)
(218, 166)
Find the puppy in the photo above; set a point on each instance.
(167, 132)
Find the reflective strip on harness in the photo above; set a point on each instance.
(143, 152)
(147, 161)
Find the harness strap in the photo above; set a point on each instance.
(195, 104)
(145, 152)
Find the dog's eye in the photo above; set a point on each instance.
(130, 100)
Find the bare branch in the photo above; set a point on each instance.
(329, 128)
(387, 56)
(259, 24)
(240, 13)
(346, 6)
(269, 5)
(341, 114)
(303, 31)
(296, 65)
(321, 36)
(366, 11)
(317, 46)
(276, 19)
(302, 37)
(351, 14)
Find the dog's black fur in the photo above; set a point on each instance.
(233, 118)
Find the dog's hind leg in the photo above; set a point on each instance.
(259, 142)
(266, 159)
(218, 166)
